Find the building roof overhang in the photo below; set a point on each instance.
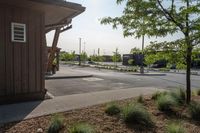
(58, 13)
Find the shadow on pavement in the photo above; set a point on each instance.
(155, 74)
(16, 112)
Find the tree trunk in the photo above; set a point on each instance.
(188, 57)
(188, 72)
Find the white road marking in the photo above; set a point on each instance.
(92, 79)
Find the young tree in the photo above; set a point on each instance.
(135, 51)
(160, 18)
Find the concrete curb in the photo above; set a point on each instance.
(176, 72)
(67, 77)
(27, 110)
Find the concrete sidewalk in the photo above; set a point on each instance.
(67, 72)
(21, 111)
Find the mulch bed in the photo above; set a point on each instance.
(103, 123)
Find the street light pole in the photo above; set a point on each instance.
(142, 63)
(84, 53)
(79, 51)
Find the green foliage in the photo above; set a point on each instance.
(84, 56)
(156, 18)
(57, 123)
(116, 56)
(159, 18)
(131, 62)
(198, 92)
(150, 59)
(179, 96)
(65, 56)
(181, 66)
(81, 128)
(97, 58)
(112, 109)
(140, 99)
(135, 51)
(166, 102)
(194, 111)
(157, 94)
(164, 69)
(174, 127)
(136, 114)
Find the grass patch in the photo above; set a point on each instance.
(81, 128)
(140, 99)
(194, 111)
(112, 109)
(174, 127)
(179, 96)
(198, 92)
(165, 103)
(157, 94)
(57, 123)
(136, 114)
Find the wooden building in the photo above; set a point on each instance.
(23, 53)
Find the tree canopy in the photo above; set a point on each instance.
(159, 18)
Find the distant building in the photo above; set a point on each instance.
(137, 59)
(107, 58)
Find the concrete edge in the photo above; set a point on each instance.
(177, 73)
(67, 77)
(74, 103)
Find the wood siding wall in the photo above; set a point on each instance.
(22, 65)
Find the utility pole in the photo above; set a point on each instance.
(116, 52)
(79, 51)
(142, 63)
(84, 52)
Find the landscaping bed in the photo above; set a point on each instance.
(101, 122)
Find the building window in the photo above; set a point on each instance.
(18, 32)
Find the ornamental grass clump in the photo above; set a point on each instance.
(165, 103)
(198, 92)
(136, 114)
(194, 110)
(179, 96)
(140, 99)
(174, 127)
(112, 109)
(81, 128)
(157, 94)
(57, 123)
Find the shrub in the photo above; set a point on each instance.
(157, 94)
(56, 124)
(81, 128)
(140, 99)
(174, 127)
(166, 103)
(112, 109)
(198, 92)
(136, 114)
(194, 93)
(164, 69)
(179, 96)
(194, 110)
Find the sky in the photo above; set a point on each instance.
(94, 35)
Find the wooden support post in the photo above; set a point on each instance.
(52, 53)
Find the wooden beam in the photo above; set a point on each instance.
(67, 28)
(52, 53)
(62, 23)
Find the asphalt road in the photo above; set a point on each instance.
(109, 80)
